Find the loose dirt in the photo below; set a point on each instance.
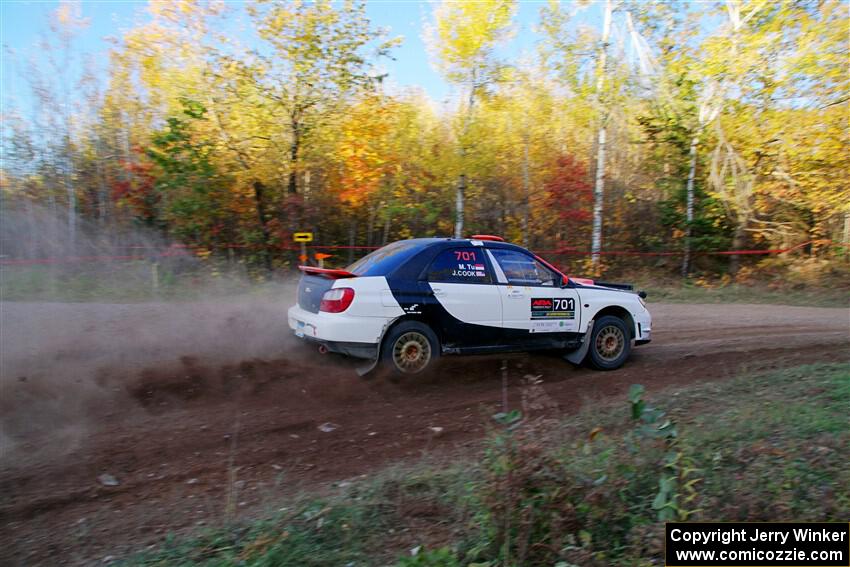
(123, 423)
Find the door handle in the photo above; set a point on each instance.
(516, 293)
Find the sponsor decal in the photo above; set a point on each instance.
(553, 308)
(556, 326)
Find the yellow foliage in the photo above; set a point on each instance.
(464, 34)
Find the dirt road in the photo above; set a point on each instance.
(121, 423)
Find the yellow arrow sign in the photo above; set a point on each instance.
(303, 237)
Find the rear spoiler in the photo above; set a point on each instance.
(327, 272)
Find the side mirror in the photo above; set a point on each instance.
(565, 281)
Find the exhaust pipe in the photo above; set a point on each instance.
(323, 349)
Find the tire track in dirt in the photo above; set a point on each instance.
(186, 437)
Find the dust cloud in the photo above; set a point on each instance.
(64, 366)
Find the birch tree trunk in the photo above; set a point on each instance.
(526, 192)
(599, 189)
(459, 205)
(689, 212)
(72, 210)
(598, 195)
(460, 200)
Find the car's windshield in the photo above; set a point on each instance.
(384, 260)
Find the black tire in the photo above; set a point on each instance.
(610, 343)
(409, 348)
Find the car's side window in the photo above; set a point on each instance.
(521, 269)
(460, 265)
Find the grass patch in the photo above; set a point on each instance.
(137, 281)
(131, 282)
(690, 292)
(584, 490)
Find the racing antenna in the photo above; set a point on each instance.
(487, 237)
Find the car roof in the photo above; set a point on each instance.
(407, 258)
(451, 242)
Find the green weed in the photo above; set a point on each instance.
(590, 489)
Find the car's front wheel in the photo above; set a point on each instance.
(610, 343)
(409, 348)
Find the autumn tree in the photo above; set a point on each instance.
(600, 65)
(659, 126)
(320, 53)
(187, 183)
(764, 59)
(462, 39)
(570, 196)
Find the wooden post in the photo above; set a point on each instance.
(155, 276)
(689, 212)
(504, 385)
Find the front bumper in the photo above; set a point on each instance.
(643, 327)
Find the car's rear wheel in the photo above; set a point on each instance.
(410, 348)
(610, 343)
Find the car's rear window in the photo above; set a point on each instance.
(460, 265)
(384, 260)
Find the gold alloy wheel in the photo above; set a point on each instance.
(610, 343)
(411, 352)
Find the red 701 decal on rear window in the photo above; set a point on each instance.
(466, 256)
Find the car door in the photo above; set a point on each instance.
(535, 307)
(469, 304)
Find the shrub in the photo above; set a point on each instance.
(585, 503)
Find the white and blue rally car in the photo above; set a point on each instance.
(414, 300)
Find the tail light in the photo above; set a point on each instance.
(337, 300)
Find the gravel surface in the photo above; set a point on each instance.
(122, 423)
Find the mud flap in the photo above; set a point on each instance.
(367, 367)
(577, 356)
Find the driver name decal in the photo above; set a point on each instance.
(468, 265)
